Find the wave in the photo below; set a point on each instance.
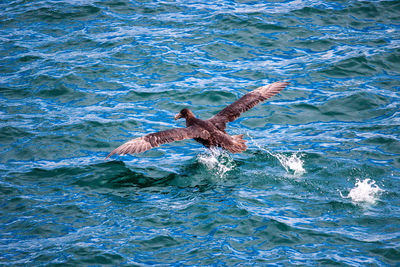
(78, 78)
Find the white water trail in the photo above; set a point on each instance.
(292, 163)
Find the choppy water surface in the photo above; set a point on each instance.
(319, 183)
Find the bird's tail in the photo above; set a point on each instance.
(238, 144)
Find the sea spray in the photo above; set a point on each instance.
(218, 161)
(364, 191)
(291, 163)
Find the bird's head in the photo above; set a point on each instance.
(184, 113)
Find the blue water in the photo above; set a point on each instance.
(319, 184)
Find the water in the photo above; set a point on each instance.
(365, 192)
(319, 184)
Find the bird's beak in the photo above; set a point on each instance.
(178, 116)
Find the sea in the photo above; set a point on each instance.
(318, 186)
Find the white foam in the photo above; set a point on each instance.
(364, 191)
(292, 163)
(217, 160)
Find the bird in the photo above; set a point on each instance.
(211, 132)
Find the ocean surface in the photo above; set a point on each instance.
(318, 185)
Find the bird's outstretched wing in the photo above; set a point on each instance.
(149, 141)
(246, 102)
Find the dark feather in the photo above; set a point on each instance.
(210, 133)
(246, 102)
(149, 141)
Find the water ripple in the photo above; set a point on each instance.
(317, 186)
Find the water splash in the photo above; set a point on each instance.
(217, 160)
(291, 163)
(364, 191)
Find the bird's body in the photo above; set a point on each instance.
(210, 133)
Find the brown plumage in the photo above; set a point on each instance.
(211, 132)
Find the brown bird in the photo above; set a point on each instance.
(211, 133)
